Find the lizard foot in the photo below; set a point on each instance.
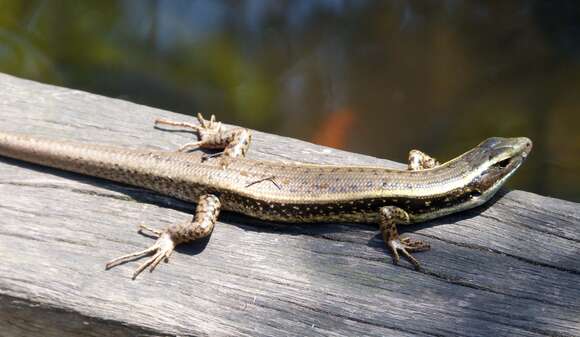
(161, 249)
(234, 143)
(407, 246)
(212, 134)
(390, 216)
(200, 226)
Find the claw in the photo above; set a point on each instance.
(154, 231)
(210, 124)
(163, 248)
(153, 262)
(178, 124)
(131, 256)
(405, 246)
(415, 245)
(201, 120)
(192, 145)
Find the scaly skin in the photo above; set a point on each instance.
(287, 192)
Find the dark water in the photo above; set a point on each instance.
(376, 77)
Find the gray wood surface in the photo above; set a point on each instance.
(509, 269)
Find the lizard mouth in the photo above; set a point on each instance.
(519, 154)
(504, 163)
(509, 164)
(506, 167)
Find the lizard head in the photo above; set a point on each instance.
(495, 160)
(484, 169)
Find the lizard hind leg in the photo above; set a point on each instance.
(211, 134)
(420, 161)
(206, 214)
(234, 143)
(390, 216)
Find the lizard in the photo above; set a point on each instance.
(285, 192)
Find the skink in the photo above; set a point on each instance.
(283, 192)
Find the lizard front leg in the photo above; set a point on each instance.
(390, 216)
(212, 135)
(420, 161)
(200, 226)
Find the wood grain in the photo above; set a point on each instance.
(508, 269)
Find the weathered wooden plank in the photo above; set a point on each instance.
(508, 269)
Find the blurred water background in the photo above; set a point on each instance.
(375, 77)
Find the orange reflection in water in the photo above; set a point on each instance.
(334, 129)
